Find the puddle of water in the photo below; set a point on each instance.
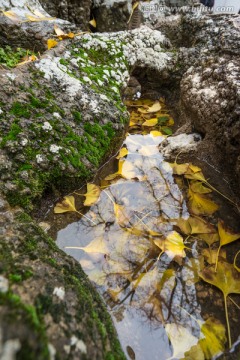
(150, 297)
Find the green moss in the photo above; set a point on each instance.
(11, 57)
(15, 278)
(77, 116)
(20, 110)
(12, 134)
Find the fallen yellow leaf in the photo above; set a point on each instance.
(93, 23)
(51, 43)
(68, 204)
(173, 245)
(200, 205)
(92, 194)
(123, 152)
(150, 122)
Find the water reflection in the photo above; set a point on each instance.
(147, 293)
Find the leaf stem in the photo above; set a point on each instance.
(217, 258)
(213, 188)
(85, 217)
(227, 320)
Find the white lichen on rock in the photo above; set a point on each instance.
(53, 70)
(4, 285)
(182, 142)
(59, 292)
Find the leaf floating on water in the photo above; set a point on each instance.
(214, 339)
(123, 152)
(67, 205)
(227, 279)
(92, 194)
(173, 245)
(120, 214)
(98, 245)
(200, 205)
(51, 43)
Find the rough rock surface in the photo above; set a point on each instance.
(75, 11)
(17, 27)
(60, 116)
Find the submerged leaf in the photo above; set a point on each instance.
(68, 204)
(92, 194)
(181, 339)
(214, 339)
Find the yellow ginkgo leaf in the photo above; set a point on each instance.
(194, 175)
(133, 8)
(123, 152)
(179, 169)
(226, 237)
(225, 234)
(37, 18)
(150, 122)
(93, 23)
(156, 133)
(227, 279)
(210, 238)
(213, 338)
(92, 194)
(28, 60)
(197, 186)
(195, 225)
(98, 245)
(58, 31)
(154, 108)
(68, 204)
(210, 255)
(200, 205)
(51, 43)
(173, 245)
